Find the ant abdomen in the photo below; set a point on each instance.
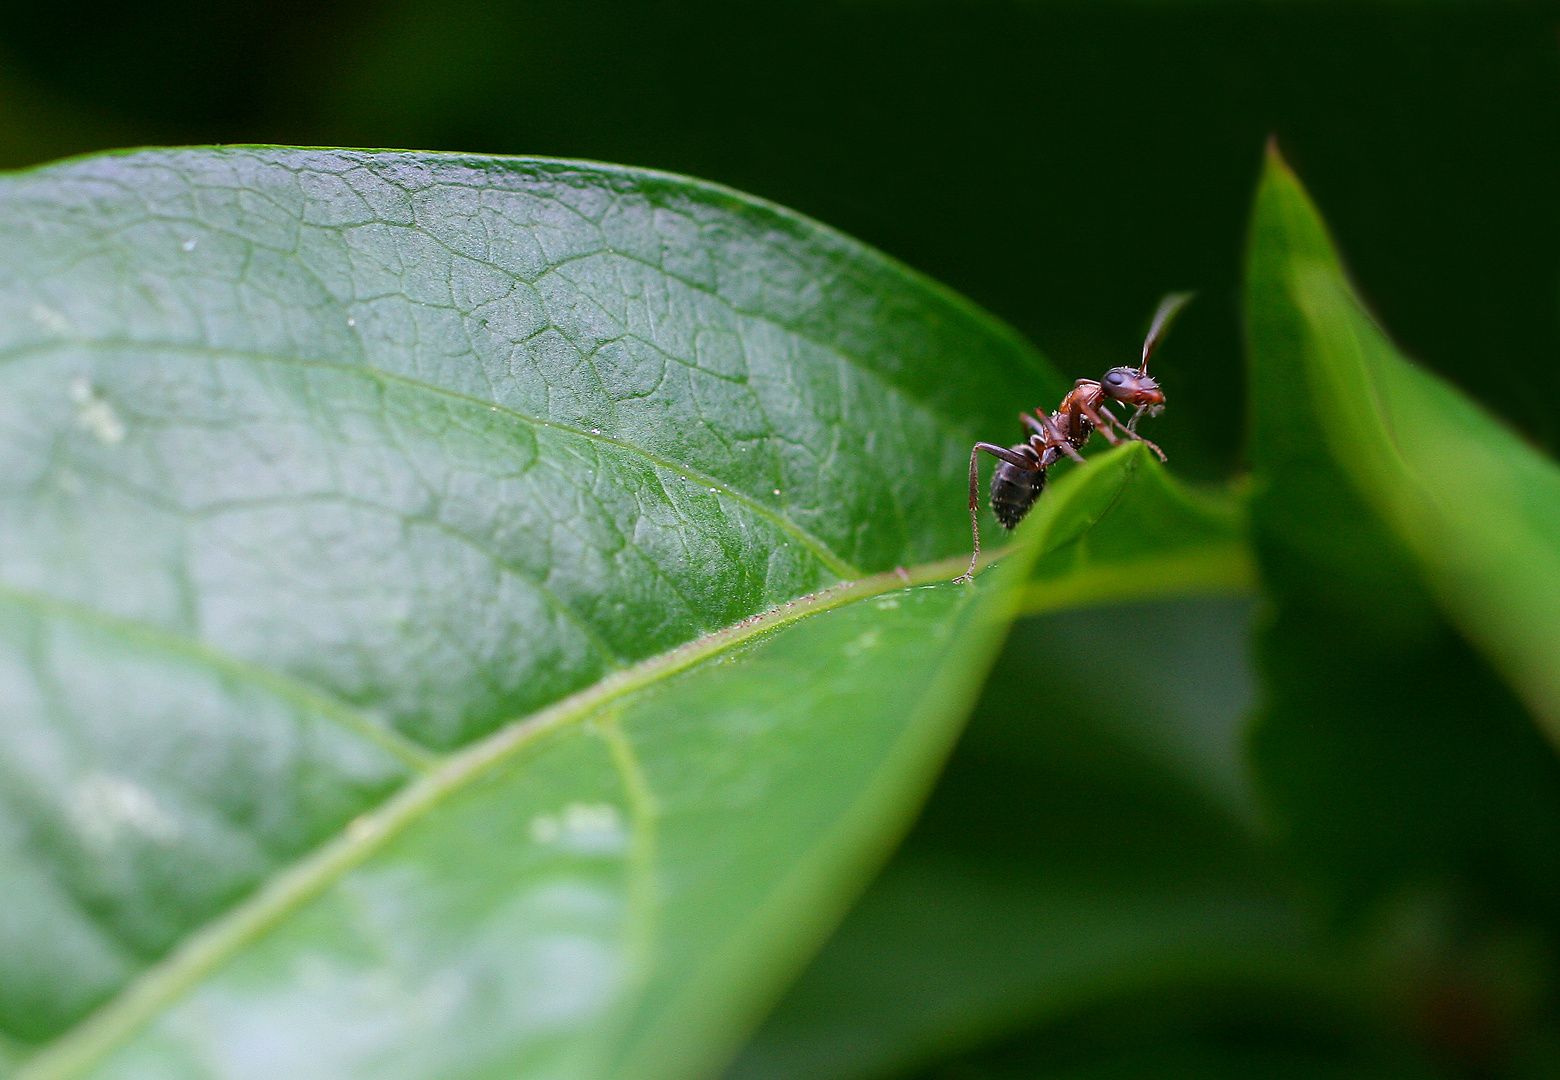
(1014, 491)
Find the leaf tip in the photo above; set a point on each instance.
(1276, 169)
(1284, 209)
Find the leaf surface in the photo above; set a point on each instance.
(382, 560)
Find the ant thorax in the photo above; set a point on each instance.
(1086, 395)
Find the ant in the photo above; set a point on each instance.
(1021, 469)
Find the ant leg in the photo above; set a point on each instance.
(1146, 442)
(1127, 429)
(1051, 450)
(1152, 446)
(1132, 423)
(1004, 454)
(1052, 439)
(969, 575)
(1023, 457)
(1100, 423)
(1058, 444)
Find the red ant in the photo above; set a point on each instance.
(1021, 469)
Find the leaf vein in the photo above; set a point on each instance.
(821, 551)
(146, 636)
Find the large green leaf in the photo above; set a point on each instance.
(384, 546)
(1391, 754)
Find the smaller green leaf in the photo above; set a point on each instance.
(1151, 537)
(1058, 863)
(1477, 507)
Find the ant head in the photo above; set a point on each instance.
(1132, 386)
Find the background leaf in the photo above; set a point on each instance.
(1478, 509)
(1408, 782)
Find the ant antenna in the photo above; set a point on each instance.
(1169, 308)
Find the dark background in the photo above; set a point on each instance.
(1064, 164)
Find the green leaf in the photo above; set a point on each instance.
(1476, 507)
(362, 516)
(1158, 538)
(607, 888)
(1391, 755)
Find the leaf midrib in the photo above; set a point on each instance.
(205, 949)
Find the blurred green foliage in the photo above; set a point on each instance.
(1107, 883)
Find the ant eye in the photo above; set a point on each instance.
(1116, 378)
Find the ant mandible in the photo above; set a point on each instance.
(1021, 469)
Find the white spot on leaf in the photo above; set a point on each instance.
(50, 319)
(95, 414)
(582, 828)
(544, 828)
(188, 245)
(862, 643)
(104, 807)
